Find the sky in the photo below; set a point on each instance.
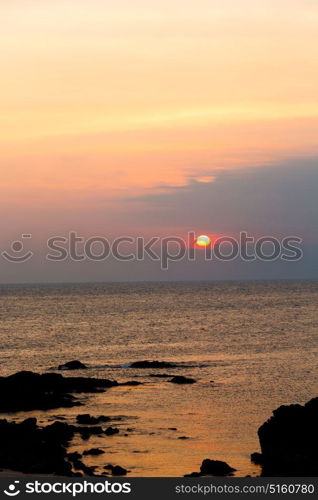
(157, 118)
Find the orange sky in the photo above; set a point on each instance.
(115, 97)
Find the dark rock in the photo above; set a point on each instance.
(116, 470)
(257, 458)
(83, 384)
(183, 437)
(27, 448)
(131, 382)
(179, 379)
(74, 456)
(193, 474)
(79, 465)
(93, 451)
(215, 468)
(289, 441)
(172, 429)
(26, 391)
(87, 432)
(29, 424)
(111, 430)
(72, 365)
(152, 364)
(87, 419)
(59, 431)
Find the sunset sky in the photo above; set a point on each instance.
(157, 118)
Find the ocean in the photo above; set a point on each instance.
(251, 346)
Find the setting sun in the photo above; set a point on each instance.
(203, 240)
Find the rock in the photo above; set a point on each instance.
(116, 470)
(131, 382)
(72, 365)
(111, 430)
(87, 419)
(89, 471)
(28, 448)
(289, 441)
(160, 375)
(74, 456)
(193, 474)
(152, 364)
(183, 437)
(257, 458)
(87, 432)
(60, 431)
(26, 391)
(215, 468)
(179, 379)
(93, 451)
(172, 429)
(119, 471)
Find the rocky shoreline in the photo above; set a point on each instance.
(288, 440)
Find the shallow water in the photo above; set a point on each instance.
(257, 342)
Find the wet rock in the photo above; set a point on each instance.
(74, 456)
(26, 391)
(179, 379)
(257, 458)
(131, 382)
(72, 365)
(152, 364)
(79, 465)
(87, 419)
(289, 441)
(110, 431)
(85, 384)
(215, 468)
(28, 448)
(59, 431)
(87, 432)
(116, 470)
(93, 451)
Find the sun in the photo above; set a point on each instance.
(203, 240)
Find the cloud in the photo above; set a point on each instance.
(279, 198)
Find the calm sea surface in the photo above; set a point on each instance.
(252, 346)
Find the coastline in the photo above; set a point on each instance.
(55, 451)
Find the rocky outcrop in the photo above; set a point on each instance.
(27, 448)
(72, 365)
(152, 364)
(179, 379)
(216, 468)
(116, 470)
(87, 419)
(110, 431)
(213, 468)
(25, 391)
(289, 441)
(93, 451)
